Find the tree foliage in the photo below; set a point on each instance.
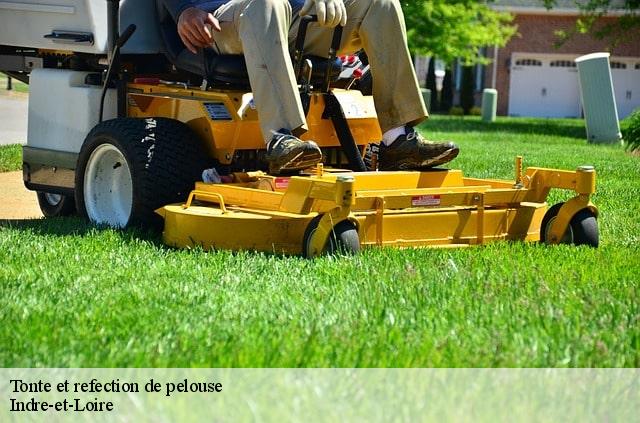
(589, 22)
(451, 29)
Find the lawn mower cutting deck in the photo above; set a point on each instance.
(336, 210)
(149, 128)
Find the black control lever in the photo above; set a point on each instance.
(124, 37)
(298, 52)
(115, 56)
(333, 50)
(299, 45)
(333, 109)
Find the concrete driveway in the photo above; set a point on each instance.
(16, 201)
(13, 117)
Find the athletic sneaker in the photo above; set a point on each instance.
(412, 152)
(286, 153)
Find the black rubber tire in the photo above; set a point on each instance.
(343, 239)
(583, 227)
(66, 206)
(165, 159)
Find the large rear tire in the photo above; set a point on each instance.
(129, 167)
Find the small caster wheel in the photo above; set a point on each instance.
(343, 239)
(582, 229)
(53, 205)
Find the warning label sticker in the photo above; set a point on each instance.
(282, 183)
(425, 200)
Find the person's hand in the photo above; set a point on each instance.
(330, 12)
(194, 28)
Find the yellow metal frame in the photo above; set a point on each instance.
(434, 208)
(241, 130)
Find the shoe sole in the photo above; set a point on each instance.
(443, 158)
(302, 160)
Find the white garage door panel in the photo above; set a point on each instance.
(626, 85)
(544, 87)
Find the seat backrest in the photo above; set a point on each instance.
(174, 49)
(227, 70)
(146, 39)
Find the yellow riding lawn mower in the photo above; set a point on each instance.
(126, 127)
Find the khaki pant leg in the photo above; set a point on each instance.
(259, 29)
(378, 27)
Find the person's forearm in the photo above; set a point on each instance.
(176, 7)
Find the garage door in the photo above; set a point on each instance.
(626, 85)
(547, 85)
(544, 87)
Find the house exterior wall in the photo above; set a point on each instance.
(536, 34)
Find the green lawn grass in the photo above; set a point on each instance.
(74, 295)
(17, 86)
(10, 157)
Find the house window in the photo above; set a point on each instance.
(637, 65)
(528, 62)
(563, 64)
(618, 65)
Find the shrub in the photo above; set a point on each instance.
(475, 111)
(467, 99)
(630, 128)
(446, 100)
(456, 111)
(431, 84)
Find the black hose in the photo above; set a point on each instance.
(115, 56)
(349, 146)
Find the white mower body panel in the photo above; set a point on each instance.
(26, 23)
(63, 109)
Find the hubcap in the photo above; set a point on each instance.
(108, 187)
(53, 199)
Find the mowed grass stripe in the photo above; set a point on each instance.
(74, 295)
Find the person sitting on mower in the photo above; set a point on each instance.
(264, 31)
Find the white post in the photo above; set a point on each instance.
(598, 100)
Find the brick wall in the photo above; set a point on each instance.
(536, 35)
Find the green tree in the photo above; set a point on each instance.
(451, 29)
(625, 28)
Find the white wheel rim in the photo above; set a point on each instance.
(53, 199)
(108, 187)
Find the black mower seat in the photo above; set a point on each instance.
(221, 69)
